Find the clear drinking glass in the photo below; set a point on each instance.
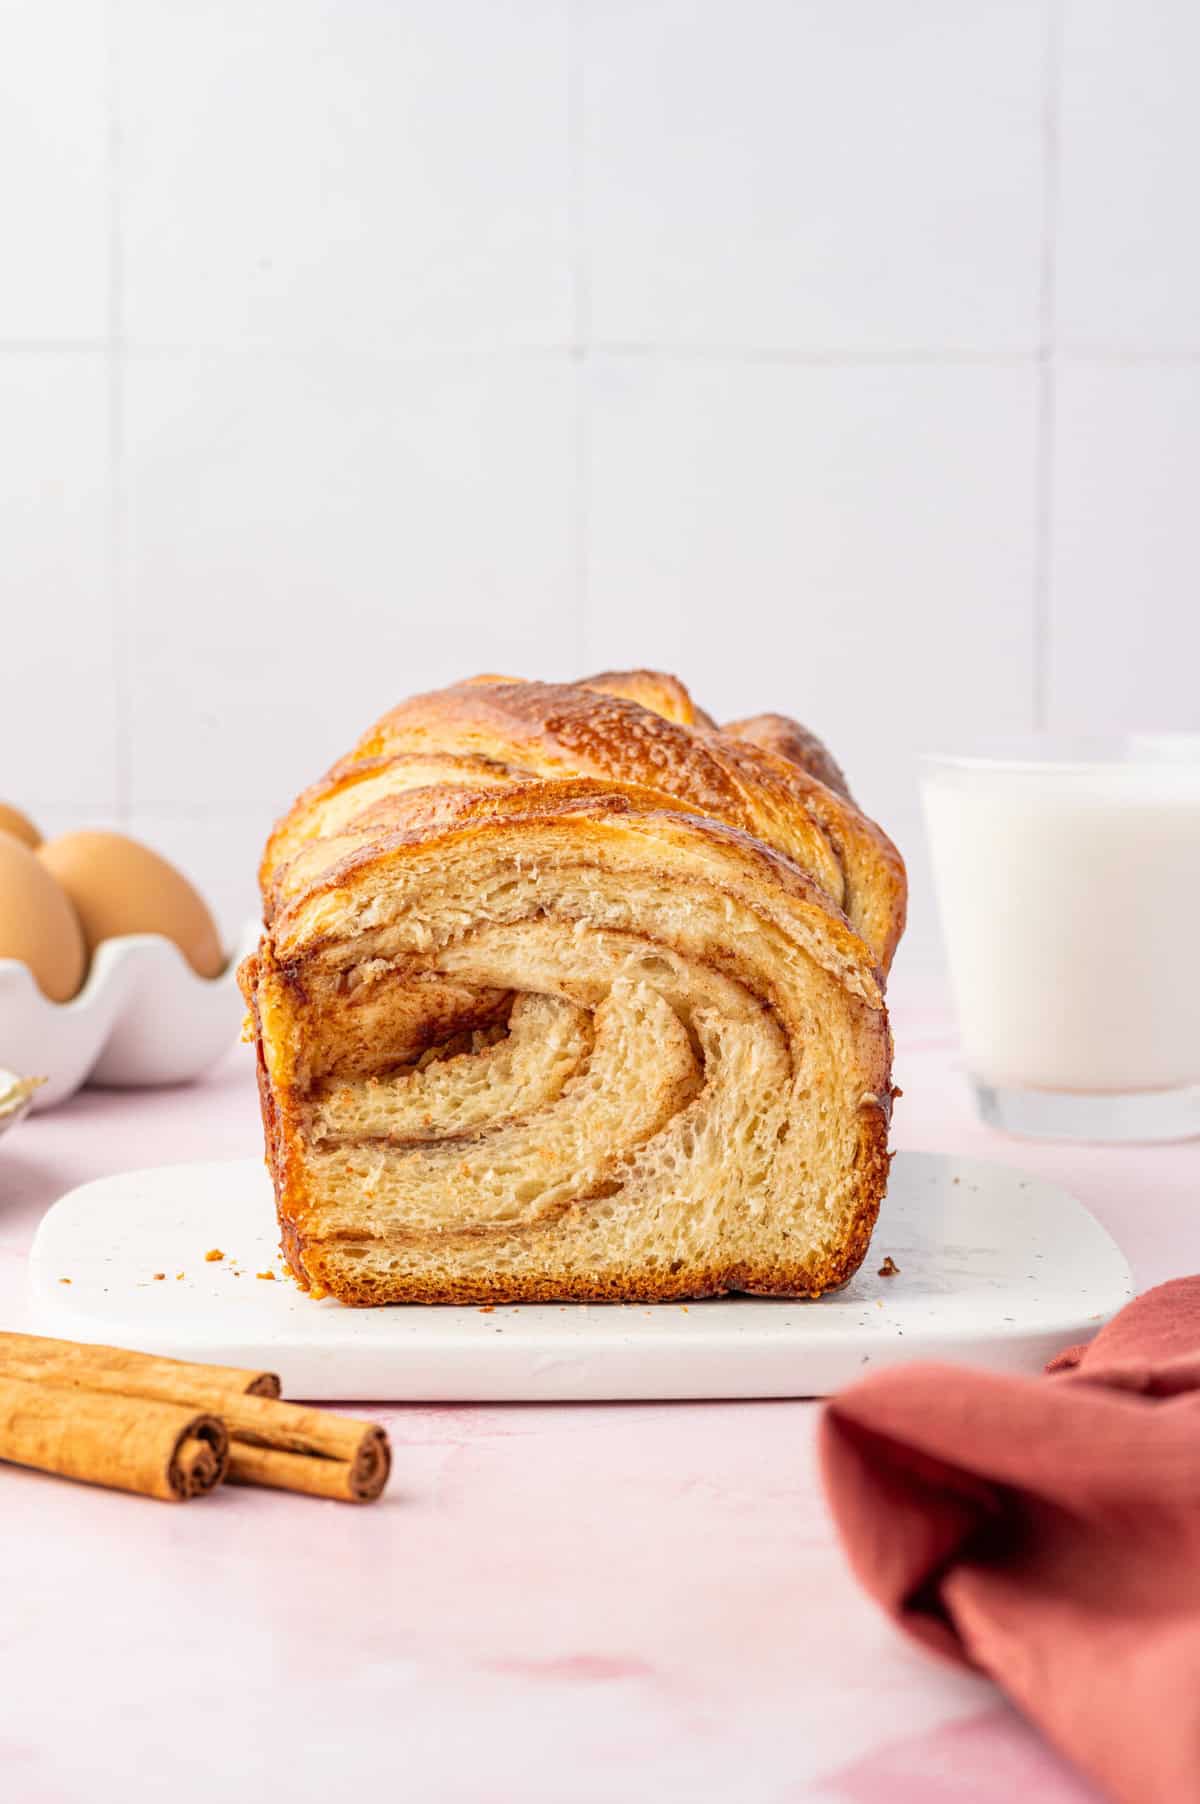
(1068, 872)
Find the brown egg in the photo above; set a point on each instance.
(19, 825)
(119, 887)
(37, 923)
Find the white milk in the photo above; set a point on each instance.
(1068, 896)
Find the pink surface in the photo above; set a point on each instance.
(553, 1605)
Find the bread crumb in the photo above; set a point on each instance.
(160, 1274)
(487, 1309)
(64, 1280)
(213, 1253)
(178, 1276)
(264, 1274)
(889, 1268)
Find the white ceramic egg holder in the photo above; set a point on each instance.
(142, 1017)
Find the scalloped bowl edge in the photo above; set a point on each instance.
(143, 1017)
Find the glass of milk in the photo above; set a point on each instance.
(1068, 873)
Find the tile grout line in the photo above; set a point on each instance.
(834, 357)
(580, 510)
(52, 347)
(1047, 394)
(581, 307)
(114, 347)
(913, 357)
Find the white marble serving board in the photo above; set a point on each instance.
(996, 1268)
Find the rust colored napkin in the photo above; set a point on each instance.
(1047, 1531)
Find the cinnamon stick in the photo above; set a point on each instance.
(323, 1454)
(360, 1480)
(117, 1369)
(310, 1451)
(129, 1444)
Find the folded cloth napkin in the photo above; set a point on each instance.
(1047, 1531)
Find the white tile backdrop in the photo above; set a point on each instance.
(842, 356)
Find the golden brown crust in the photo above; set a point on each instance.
(511, 731)
(786, 738)
(802, 1280)
(611, 800)
(421, 823)
(654, 689)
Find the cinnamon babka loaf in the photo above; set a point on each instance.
(565, 992)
